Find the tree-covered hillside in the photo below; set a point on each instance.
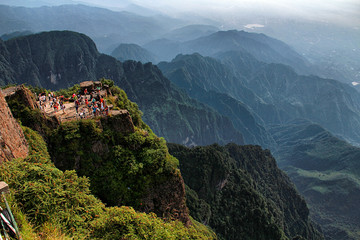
(233, 187)
(325, 169)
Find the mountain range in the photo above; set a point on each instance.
(118, 159)
(55, 60)
(330, 48)
(96, 22)
(235, 98)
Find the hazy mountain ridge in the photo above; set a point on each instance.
(332, 48)
(190, 32)
(107, 28)
(312, 156)
(274, 92)
(212, 83)
(133, 52)
(328, 102)
(260, 46)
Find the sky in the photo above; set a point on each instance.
(341, 11)
(323, 10)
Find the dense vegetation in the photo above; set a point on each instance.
(241, 194)
(52, 204)
(120, 154)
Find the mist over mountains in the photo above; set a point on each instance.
(331, 48)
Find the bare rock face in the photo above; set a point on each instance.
(167, 199)
(22, 93)
(12, 140)
(39, 121)
(121, 121)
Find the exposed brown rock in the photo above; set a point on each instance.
(167, 199)
(121, 121)
(23, 93)
(90, 86)
(12, 140)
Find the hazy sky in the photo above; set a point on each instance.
(229, 10)
(336, 10)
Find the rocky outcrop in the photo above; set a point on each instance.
(120, 121)
(23, 93)
(167, 199)
(12, 140)
(24, 107)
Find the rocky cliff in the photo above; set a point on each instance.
(12, 140)
(23, 106)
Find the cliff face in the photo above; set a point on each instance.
(12, 140)
(168, 199)
(236, 189)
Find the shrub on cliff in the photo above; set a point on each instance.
(60, 203)
(120, 166)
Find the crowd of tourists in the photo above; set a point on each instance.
(86, 105)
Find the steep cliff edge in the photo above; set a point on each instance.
(127, 164)
(12, 141)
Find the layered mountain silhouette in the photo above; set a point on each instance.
(133, 52)
(275, 98)
(260, 46)
(274, 92)
(107, 28)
